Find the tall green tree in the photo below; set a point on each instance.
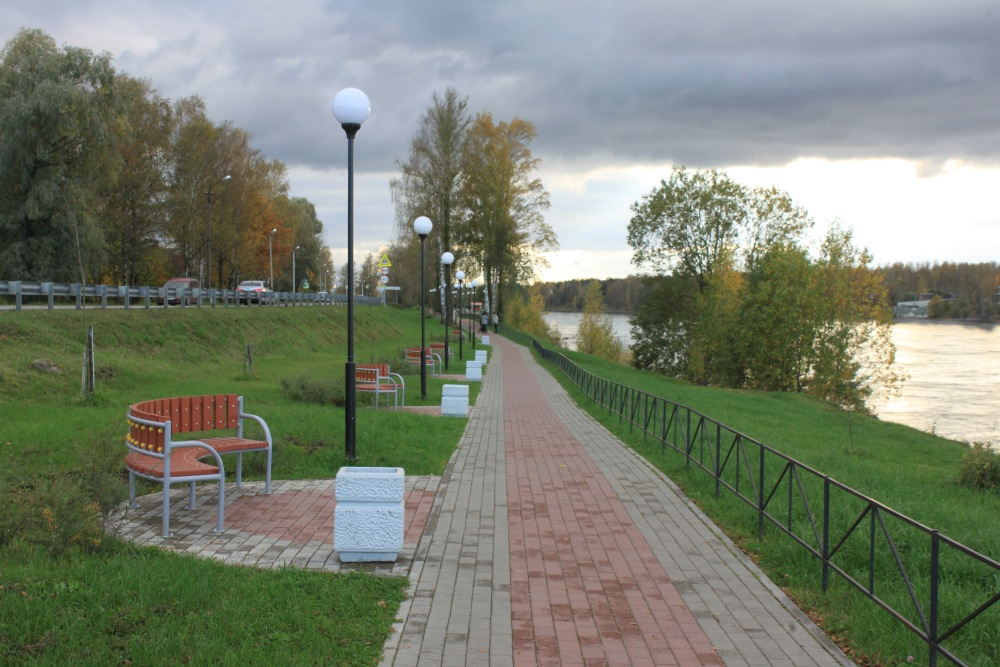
(430, 182)
(505, 232)
(58, 108)
(133, 210)
(699, 221)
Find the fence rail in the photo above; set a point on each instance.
(893, 560)
(38, 293)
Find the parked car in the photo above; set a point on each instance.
(252, 291)
(177, 285)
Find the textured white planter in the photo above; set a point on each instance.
(368, 520)
(455, 400)
(486, 339)
(473, 371)
(481, 356)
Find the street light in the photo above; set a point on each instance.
(351, 108)
(422, 226)
(209, 195)
(446, 260)
(293, 267)
(472, 311)
(460, 276)
(270, 255)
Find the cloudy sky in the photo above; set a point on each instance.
(882, 114)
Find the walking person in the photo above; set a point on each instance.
(496, 323)
(484, 322)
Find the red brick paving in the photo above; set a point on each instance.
(302, 517)
(586, 589)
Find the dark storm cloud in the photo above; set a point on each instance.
(706, 83)
(702, 83)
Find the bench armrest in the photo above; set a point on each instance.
(259, 420)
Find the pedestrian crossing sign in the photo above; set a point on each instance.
(385, 261)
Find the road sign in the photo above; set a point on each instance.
(384, 270)
(385, 261)
(384, 279)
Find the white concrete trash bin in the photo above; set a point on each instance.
(368, 519)
(481, 356)
(455, 400)
(473, 371)
(485, 339)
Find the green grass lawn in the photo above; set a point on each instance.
(69, 595)
(65, 599)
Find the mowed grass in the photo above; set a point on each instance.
(114, 603)
(912, 472)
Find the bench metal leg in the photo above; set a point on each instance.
(267, 473)
(131, 490)
(166, 508)
(191, 501)
(222, 505)
(239, 469)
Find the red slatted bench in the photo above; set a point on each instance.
(154, 454)
(432, 360)
(376, 379)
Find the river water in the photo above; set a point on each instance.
(953, 388)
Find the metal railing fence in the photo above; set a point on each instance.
(935, 586)
(24, 293)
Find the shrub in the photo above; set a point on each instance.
(980, 468)
(306, 389)
(64, 511)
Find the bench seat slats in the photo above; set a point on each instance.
(226, 445)
(183, 463)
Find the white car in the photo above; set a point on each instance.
(252, 291)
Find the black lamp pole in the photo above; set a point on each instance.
(446, 259)
(422, 226)
(351, 108)
(461, 281)
(472, 313)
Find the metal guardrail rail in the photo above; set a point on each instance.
(916, 574)
(37, 293)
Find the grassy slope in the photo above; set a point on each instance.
(126, 604)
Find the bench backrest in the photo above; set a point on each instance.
(370, 372)
(185, 414)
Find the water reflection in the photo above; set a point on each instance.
(954, 375)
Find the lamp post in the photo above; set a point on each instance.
(422, 226)
(460, 276)
(209, 195)
(472, 311)
(270, 256)
(293, 268)
(351, 108)
(446, 260)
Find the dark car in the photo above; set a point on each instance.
(173, 289)
(252, 291)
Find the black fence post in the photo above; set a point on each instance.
(826, 533)
(932, 630)
(760, 494)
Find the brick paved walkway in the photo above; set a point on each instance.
(546, 542)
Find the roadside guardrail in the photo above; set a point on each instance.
(50, 293)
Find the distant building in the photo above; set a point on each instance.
(911, 308)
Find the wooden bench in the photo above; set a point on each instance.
(154, 454)
(438, 349)
(431, 359)
(377, 379)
